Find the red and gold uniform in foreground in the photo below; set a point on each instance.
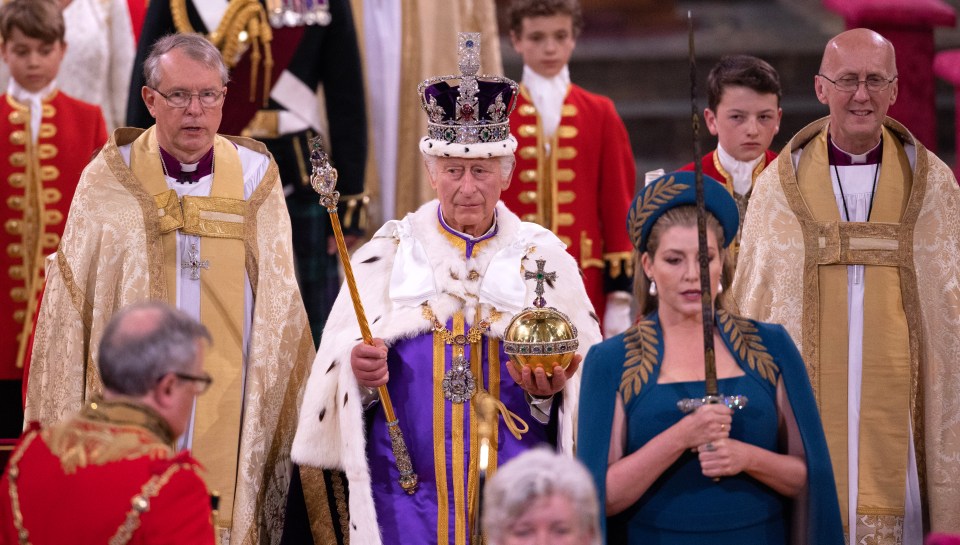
(581, 189)
(108, 475)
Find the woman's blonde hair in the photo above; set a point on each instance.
(680, 216)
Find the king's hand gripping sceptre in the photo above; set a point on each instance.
(324, 182)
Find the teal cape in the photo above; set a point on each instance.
(630, 363)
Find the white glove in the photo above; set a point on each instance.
(618, 316)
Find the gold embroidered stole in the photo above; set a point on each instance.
(219, 220)
(832, 245)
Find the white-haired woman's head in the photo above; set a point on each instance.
(541, 493)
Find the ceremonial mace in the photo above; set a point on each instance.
(324, 181)
(713, 395)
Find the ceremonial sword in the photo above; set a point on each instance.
(712, 395)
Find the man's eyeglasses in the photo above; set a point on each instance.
(850, 84)
(200, 383)
(181, 99)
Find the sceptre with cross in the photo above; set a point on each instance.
(324, 181)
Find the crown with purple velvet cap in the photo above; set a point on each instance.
(470, 119)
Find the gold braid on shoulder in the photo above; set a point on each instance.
(244, 21)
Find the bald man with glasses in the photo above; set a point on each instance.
(852, 242)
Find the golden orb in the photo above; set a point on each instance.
(541, 337)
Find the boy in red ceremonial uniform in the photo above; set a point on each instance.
(109, 474)
(743, 97)
(575, 171)
(47, 138)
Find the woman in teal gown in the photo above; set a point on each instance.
(718, 474)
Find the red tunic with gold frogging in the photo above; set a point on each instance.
(582, 190)
(38, 183)
(108, 475)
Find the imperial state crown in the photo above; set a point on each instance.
(468, 115)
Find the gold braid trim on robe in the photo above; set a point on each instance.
(770, 285)
(111, 256)
(216, 426)
(883, 247)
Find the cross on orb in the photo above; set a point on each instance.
(541, 276)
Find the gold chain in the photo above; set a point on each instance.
(473, 335)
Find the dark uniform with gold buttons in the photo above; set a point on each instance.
(38, 177)
(582, 189)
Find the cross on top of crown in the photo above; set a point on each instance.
(468, 53)
(541, 276)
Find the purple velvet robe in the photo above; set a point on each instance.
(420, 405)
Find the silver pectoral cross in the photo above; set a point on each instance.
(194, 263)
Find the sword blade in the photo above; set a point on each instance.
(706, 299)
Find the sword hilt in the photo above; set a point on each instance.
(735, 402)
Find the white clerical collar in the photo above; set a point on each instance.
(741, 171)
(547, 95)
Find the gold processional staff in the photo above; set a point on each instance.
(324, 181)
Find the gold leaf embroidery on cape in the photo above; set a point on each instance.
(98, 446)
(748, 345)
(642, 353)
